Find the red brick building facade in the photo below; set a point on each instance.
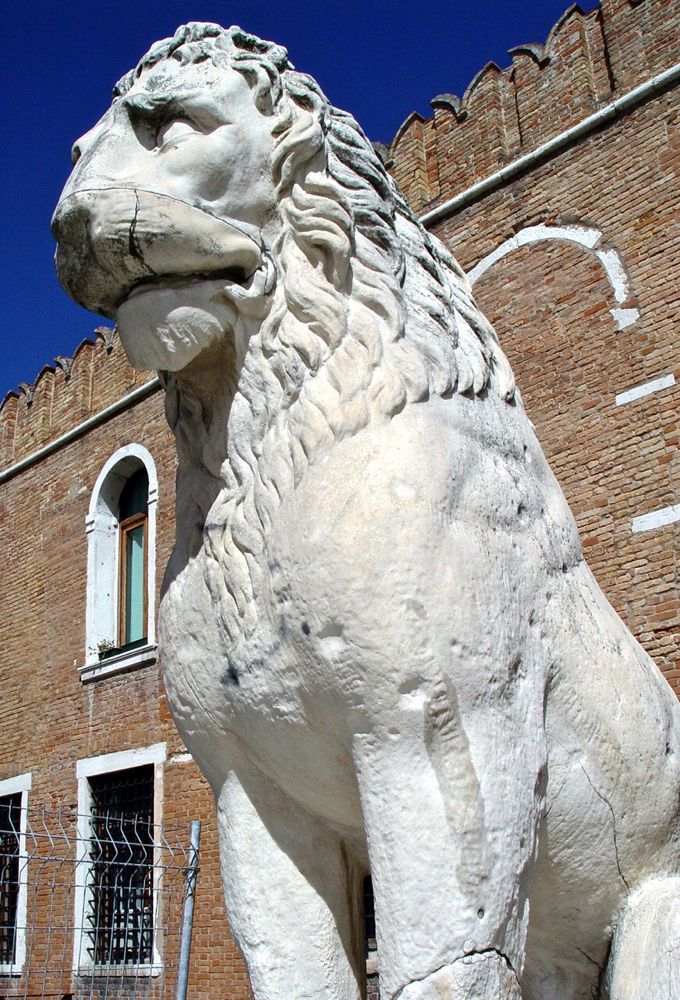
(555, 182)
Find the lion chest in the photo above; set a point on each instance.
(394, 535)
(383, 552)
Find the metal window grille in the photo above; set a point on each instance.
(10, 814)
(369, 918)
(370, 943)
(121, 894)
(75, 949)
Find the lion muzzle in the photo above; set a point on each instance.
(112, 239)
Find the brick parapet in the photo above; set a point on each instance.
(588, 60)
(65, 394)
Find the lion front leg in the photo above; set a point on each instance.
(452, 795)
(286, 886)
(644, 963)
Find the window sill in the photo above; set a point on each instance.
(118, 971)
(129, 659)
(11, 970)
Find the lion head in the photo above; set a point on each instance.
(222, 200)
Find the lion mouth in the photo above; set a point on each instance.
(232, 275)
(114, 241)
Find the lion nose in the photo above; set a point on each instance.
(81, 145)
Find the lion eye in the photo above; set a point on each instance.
(173, 132)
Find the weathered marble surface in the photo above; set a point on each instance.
(380, 639)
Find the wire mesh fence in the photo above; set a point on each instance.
(95, 906)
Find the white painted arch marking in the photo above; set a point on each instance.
(646, 389)
(656, 519)
(583, 236)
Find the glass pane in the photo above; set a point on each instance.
(135, 626)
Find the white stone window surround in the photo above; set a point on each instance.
(87, 768)
(101, 527)
(11, 786)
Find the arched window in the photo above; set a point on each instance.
(121, 523)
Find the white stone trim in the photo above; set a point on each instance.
(656, 519)
(85, 769)
(120, 761)
(638, 391)
(583, 236)
(181, 758)
(21, 783)
(613, 264)
(625, 317)
(101, 527)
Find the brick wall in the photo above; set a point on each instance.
(50, 718)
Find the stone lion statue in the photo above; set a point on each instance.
(379, 636)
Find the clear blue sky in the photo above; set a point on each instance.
(59, 61)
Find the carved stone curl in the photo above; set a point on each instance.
(380, 639)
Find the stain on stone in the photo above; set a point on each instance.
(305, 628)
(230, 675)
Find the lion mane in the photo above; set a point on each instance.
(362, 313)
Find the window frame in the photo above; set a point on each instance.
(85, 769)
(21, 784)
(103, 602)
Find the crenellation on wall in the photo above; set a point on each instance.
(485, 121)
(554, 93)
(467, 133)
(601, 77)
(64, 394)
(642, 38)
(431, 165)
(412, 162)
(588, 60)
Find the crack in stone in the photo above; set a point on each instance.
(133, 243)
(446, 965)
(611, 810)
(420, 979)
(586, 955)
